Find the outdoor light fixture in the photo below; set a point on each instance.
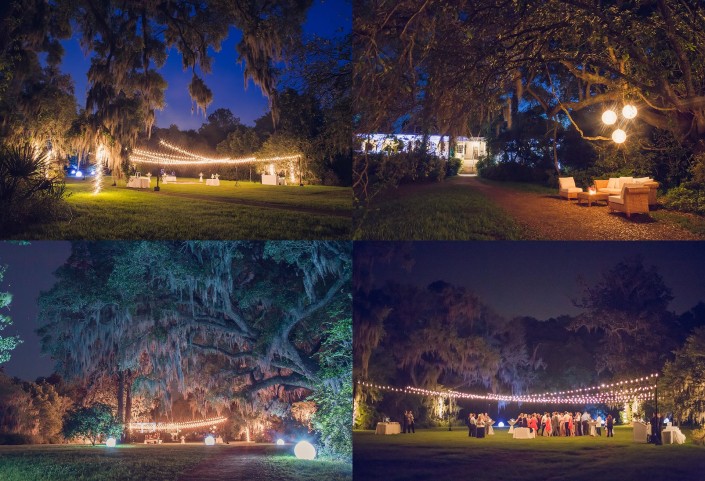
(609, 117)
(619, 136)
(629, 111)
(280, 442)
(500, 425)
(304, 450)
(110, 442)
(79, 174)
(210, 440)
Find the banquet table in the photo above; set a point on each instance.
(523, 433)
(388, 428)
(212, 181)
(169, 178)
(139, 182)
(593, 431)
(642, 431)
(671, 434)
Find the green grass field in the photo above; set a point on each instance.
(441, 211)
(196, 211)
(162, 463)
(438, 454)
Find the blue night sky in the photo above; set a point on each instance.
(326, 18)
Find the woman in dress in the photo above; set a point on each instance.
(547, 429)
(610, 425)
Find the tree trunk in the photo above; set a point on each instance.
(120, 395)
(128, 405)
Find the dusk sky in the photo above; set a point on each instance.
(326, 18)
(539, 279)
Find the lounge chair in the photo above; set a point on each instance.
(567, 188)
(613, 186)
(633, 199)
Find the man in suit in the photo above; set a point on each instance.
(656, 429)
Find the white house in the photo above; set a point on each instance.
(468, 149)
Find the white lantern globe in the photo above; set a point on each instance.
(280, 442)
(629, 111)
(609, 117)
(619, 136)
(210, 440)
(304, 450)
(110, 442)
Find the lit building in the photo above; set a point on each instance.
(467, 149)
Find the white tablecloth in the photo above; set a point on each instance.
(139, 182)
(511, 427)
(671, 434)
(388, 428)
(212, 181)
(593, 431)
(272, 180)
(523, 433)
(642, 431)
(169, 178)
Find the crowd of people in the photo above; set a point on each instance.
(479, 425)
(566, 424)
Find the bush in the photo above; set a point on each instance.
(698, 437)
(27, 195)
(14, 439)
(510, 171)
(453, 167)
(92, 423)
(686, 198)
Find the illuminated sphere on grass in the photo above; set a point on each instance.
(280, 442)
(501, 424)
(304, 450)
(210, 440)
(609, 117)
(629, 111)
(619, 136)
(110, 442)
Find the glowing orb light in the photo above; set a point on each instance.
(304, 450)
(210, 440)
(619, 136)
(280, 442)
(501, 424)
(79, 173)
(666, 421)
(110, 442)
(609, 117)
(629, 111)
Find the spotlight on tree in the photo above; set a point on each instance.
(304, 450)
(609, 117)
(210, 440)
(619, 136)
(629, 111)
(280, 442)
(110, 442)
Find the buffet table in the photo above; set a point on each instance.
(268, 179)
(212, 181)
(671, 434)
(388, 428)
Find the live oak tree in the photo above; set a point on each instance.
(454, 68)
(229, 325)
(628, 307)
(7, 343)
(683, 382)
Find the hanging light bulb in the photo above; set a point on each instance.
(629, 111)
(609, 117)
(619, 136)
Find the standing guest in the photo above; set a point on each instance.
(472, 424)
(586, 423)
(556, 424)
(410, 422)
(533, 424)
(547, 429)
(404, 426)
(598, 425)
(571, 425)
(656, 429)
(609, 424)
(543, 423)
(578, 426)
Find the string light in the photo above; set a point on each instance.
(189, 158)
(177, 426)
(604, 393)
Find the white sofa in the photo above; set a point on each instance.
(567, 188)
(614, 185)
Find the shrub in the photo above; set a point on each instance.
(686, 198)
(511, 171)
(699, 436)
(92, 423)
(27, 195)
(453, 167)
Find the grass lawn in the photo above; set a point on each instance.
(443, 211)
(163, 462)
(196, 211)
(438, 454)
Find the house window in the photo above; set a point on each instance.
(476, 152)
(460, 149)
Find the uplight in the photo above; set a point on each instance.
(110, 442)
(304, 450)
(501, 424)
(210, 440)
(280, 442)
(609, 117)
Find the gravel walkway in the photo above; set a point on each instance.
(548, 217)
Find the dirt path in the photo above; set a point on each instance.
(552, 218)
(256, 203)
(226, 465)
